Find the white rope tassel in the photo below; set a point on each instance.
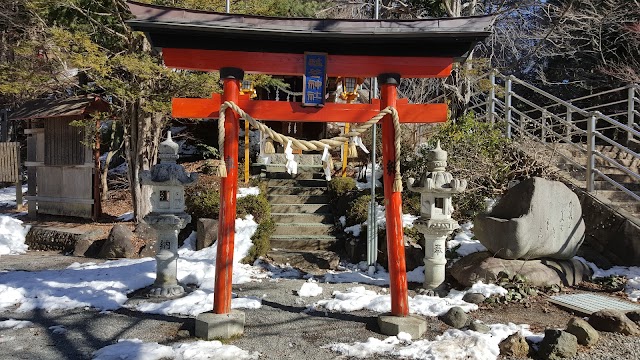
(327, 163)
(292, 165)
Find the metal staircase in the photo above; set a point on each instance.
(593, 140)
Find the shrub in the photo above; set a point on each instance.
(202, 203)
(256, 205)
(340, 186)
(261, 242)
(479, 153)
(358, 210)
(411, 202)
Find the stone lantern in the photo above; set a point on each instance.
(167, 180)
(436, 188)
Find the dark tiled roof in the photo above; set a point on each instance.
(179, 28)
(49, 108)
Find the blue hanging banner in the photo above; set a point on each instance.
(315, 79)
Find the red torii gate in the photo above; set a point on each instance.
(235, 44)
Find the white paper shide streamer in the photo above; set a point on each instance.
(327, 164)
(292, 165)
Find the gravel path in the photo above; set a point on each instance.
(280, 329)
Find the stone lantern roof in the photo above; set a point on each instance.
(167, 172)
(436, 179)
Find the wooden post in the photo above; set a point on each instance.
(345, 152)
(18, 176)
(393, 202)
(97, 191)
(232, 78)
(246, 152)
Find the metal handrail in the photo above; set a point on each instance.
(544, 126)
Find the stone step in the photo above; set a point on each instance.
(303, 242)
(297, 183)
(615, 195)
(298, 228)
(630, 206)
(315, 262)
(605, 185)
(282, 168)
(298, 199)
(286, 190)
(320, 218)
(298, 176)
(301, 208)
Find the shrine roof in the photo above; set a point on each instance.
(59, 108)
(168, 27)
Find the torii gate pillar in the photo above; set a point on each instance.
(393, 201)
(231, 77)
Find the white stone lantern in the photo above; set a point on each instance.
(167, 180)
(436, 188)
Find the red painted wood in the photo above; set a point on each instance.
(229, 188)
(393, 207)
(293, 64)
(268, 110)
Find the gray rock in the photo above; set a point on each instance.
(537, 218)
(474, 298)
(634, 316)
(206, 233)
(483, 266)
(515, 345)
(613, 321)
(584, 332)
(558, 344)
(119, 244)
(456, 317)
(148, 236)
(479, 327)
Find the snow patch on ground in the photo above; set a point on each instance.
(464, 239)
(8, 196)
(242, 192)
(359, 298)
(105, 286)
(128, 216)
(452, 345)
(14, 324)
(632, 273)
(359, 273)
(135, 349)
(12, 236)
(309, 289)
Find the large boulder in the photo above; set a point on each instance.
(558, 344)
(121, 243)
(584, 332)
(206, 233)
(546, 272)
(537, 218)
(613, 321)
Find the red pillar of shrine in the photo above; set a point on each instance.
(393, 202)
(232, 77)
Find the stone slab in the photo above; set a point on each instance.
(60, 238)
(413, 325)
(211, 326)
(543, 272)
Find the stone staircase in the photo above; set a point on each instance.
(300, 208)
(604, 190)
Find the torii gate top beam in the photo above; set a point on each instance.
(209, 41)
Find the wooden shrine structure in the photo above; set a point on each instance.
(239, 44)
